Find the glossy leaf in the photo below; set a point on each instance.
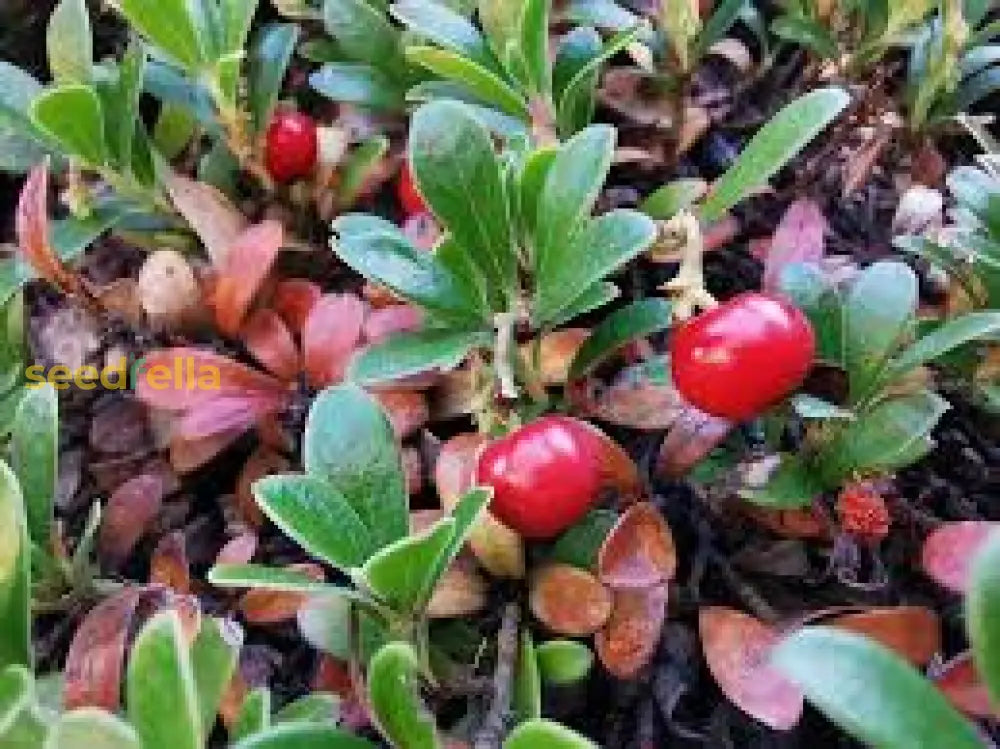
(274, 578)
(637, 320)
(798, 239)
(90, 728)
(406, 354)
(946, 338)
(70, 44)
(317, 707)
(982, 607)
(364, 34)
(214, 656)
(793, 484)
(773, 146)
(481, 82)
(325, 623)
(129, 515)
(304, 736)
(71, 115)
(34, 454)
(564, 662)
(393, 688)
(527, 699)
(15, 593)
(364, 85)
(912, 632)
(170, 25)
(546, 734)
(870, 692)
(162, 698)
(269, 57)
(242, 271)
(120, 106)
(350, 444)
(443, 26)
(210, 213)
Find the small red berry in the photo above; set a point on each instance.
(545, 476)
(862, 512)
(736, 360)
(292, 146)
(410, 199)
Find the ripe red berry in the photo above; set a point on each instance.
(410, 199)
(545, 476)
(292, 146)
(862, 512)
(736, 360)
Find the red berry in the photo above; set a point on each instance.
(410, 199)
(292, 146)
(863, 513)
(736, 360)
(545, 476)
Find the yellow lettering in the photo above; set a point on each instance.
(36, 376)
(210, 378)
(158, 377)
(86, 377)
(60, 377)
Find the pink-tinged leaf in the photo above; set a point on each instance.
(721, 233)
(187, 455)
(628, 642)
(96, 657)
(187, 378)
(224, 416)
(407, 410)
(270, 342)
(413, 470)
(129, 514)
(242, 272)
(949, 550)
(396, 318)
(239, 550)
(422, 230)
(798, 239)
(169, 565)
(960, 682)
(691, 438)
(330, 336)
(32, 225)
(912, 632)
(738, 650)
(294, 299)
(639, 551)
(273, 606)
(262, 462)
(216, 221)
(569, 601)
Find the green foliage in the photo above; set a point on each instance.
(394, 691)
(564, 662)
(34, 446)
(527, 698)
(546, 734)
(15, 590)
(982, 614)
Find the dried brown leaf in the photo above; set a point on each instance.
(629, 640)
(169, 565)
(569, 601)
(639, 551)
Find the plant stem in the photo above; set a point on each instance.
(491, 735)
(504, 352)
(688, 286)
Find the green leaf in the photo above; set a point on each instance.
(394, 692)
(810, 407)
(349, 442)
(237, 18)
(173, 130)
(639, 319)
(793, 484)
(325, 623)
(365, 35)
(807, 32)
(580, 544)
(317, 707)
(15, 590)
(446, 28)
(270, 55)
(274, 578)
(304, 736)
(982, 613)
(318, 517)
(358, 166)
(575, 51)
(405, 354)
(458, 173)
(71, 115)
(501, 20)
(17, 695)
(951, 335)
(592, 299)
(465, 514)
(564, 662)
(70, 44)
(871, 692)
(120, 106)
(214, 655)
(22, 145)
(386, 257)
(531, 183)
(773, 146)
(574, 266)
(162, 701)
(169, 25)
(604, 14)
(673, 197)
(535, 44)
(482, 82)
(806, 287)
(878, 316)
(254, 715)
(34, 454)
(403, 574)
(91, 728)
(546, 734)
(359, 84)
(726, 14)
(527, 699)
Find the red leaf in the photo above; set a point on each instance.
(129, 514)
(169, 564)
(569, 601)
(639, 551)
(239, 550)
(329, 337)
(629, 640)
(407, 410)
(223, 416)
(960, 682)
(738, 650)
(269, 341)
(396, 318)
(262, 462)
(798, 239)
(242, 271)
(33, 231)
(293, 299)
(913, 632)
(950, 548)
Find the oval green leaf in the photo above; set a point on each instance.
(394, 691)
(639, 319)
(982, 614)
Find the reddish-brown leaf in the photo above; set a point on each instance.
(387, 321)
(330, 336)
(129, 513)
(293, 300)
(639, 552)
(242, 271)
(804, 523)
(738, 650)
(798, 239)
(555, 354)
(269, 341)
(274, 606)
(188, 454)
(407, 410)
(216, 221)
(413, 469)
(262, 462)
(32, 225)
(169, 565)
(238, 550)
(460, 592)
(224, 416)
(693, 435)
(913, 632)
(629, 640)
(232, 700)
(950, 548)
(633, 399)
(961, 684)
(569, 601)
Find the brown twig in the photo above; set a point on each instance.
(491, 735)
